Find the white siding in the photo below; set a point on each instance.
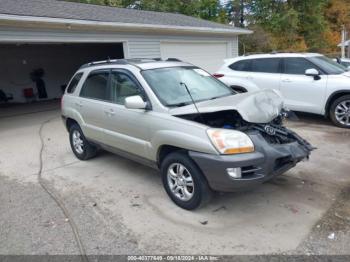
(144, 48)
(207, 55)
(235, 47)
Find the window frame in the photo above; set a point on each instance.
(87, 77)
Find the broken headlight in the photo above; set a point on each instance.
(229, 142)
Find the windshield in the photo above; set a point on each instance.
(169, 84)
(328, 65)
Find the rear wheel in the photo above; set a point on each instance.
(81, 148)
(184, 181)
(340, 111)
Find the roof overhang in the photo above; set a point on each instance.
(346, 43)
(73, 24)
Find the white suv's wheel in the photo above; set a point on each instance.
(184, 182)
(81, 148)
(340, 111)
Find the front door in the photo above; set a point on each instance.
(301, 92)
(126, 129)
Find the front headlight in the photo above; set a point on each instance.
(230, 141)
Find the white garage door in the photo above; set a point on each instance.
(209, 56)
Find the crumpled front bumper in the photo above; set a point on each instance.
(267, 161)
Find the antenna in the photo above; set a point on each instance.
(194, 103)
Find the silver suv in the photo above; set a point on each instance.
(176, 117)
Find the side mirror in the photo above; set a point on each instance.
(313, 72)
(135, 102)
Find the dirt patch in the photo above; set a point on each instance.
(330, 235)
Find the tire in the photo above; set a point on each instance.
(186, 171)
(85, 151)
(339, 115)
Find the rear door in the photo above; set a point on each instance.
(301, 92)
(126, 129)
(266, 72)
(92, 99)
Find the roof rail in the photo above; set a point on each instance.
(130, 61)
(109, 61)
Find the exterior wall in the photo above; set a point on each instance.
(150, 47)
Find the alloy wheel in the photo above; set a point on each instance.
(342, 112)
(180, 181)
(78, 142)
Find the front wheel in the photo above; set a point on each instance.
(184, 182)
(81, 148)
(340, 111)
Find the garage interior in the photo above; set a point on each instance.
(23, 63)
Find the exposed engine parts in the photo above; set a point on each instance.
(274, 132)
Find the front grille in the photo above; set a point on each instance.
(280, 134)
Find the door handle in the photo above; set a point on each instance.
(249, 77)
(110, 112)
(286, 80)
(79, 104)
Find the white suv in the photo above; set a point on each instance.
(308, 82)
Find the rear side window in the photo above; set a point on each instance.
(266, 65)
(297, 66)
(243, 65)
(74, 83)
(96, 85)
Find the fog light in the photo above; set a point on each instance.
(235, 173)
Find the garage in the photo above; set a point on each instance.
(207, 55)
(39, 71)
(42, 43)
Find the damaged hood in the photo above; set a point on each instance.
(255, 107)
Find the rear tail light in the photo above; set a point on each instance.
(218, 75)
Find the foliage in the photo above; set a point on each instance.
(283, 25)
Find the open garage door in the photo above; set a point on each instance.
(208, 55)
(28, 71)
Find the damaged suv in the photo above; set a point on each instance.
(176, 117)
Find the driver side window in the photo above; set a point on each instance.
(122, 86)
